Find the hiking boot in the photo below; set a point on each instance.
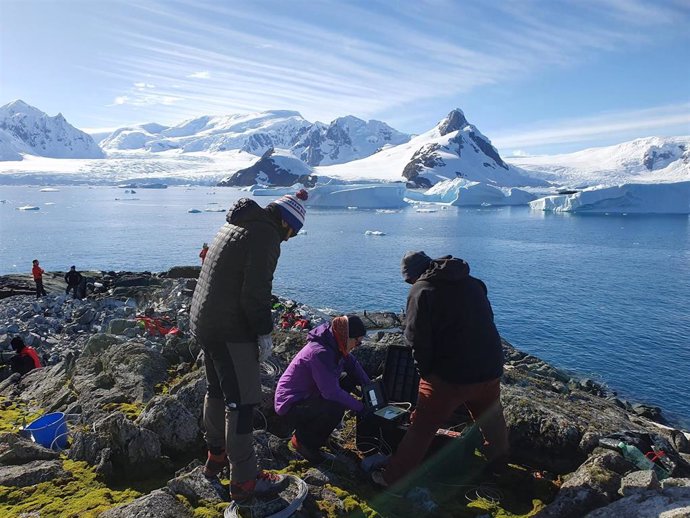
(215, 464)
(265, 483)
(311, 455)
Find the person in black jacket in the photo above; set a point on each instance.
(458, 352)
(73, 278)
(231, 319)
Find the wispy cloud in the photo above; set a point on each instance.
(376, 59)
(585, 129)
(201, 75)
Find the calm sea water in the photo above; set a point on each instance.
(601, 296)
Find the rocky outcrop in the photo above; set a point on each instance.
(161, 503)
(276, 171)
(32, 473)
(136, 404)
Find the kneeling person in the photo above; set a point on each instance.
(313, 392)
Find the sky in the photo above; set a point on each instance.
(535, 76)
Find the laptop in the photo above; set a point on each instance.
(375, 399)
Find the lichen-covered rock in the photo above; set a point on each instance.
(673, 502)
(116, 444)
(118, 326)
(177, 429)
(122, 373)
(594, 484)
(195, 487)
(161, 503)
(190, 392)
(639, 481)
(32, 473)
(17, 450)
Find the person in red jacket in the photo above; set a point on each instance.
(204, 251)
(26, 358)
(38, 272)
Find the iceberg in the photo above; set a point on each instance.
(28, 207)
(461, 192)
(261, 190)
(374, 233)
(49, 189)
(194, 211)
(362, 196)
(631, 198)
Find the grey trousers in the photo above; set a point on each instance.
(234, 389)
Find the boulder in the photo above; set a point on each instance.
(594, 484)
(118, 326)
(670, 502)
(161, 503)
(194, 486)
(638, 482)
(177, 428)
(117, 441)
(190, 392)
(32, 473)
(130, 369)
(17, 450)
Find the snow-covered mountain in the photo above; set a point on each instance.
(346, 138)
(453, 149)
(643, 160)
(132, 137)
(279, 169)
(27, 130)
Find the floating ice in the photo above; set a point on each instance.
(193, 211)
(374, 233)
(29, 207)
(361, 196)
(462, 192)
(426, 210)
(49, 189)
(668, 198)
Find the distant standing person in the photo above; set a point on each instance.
(73, 278)
(231, 318)
(458, 352)
(204, 251)
(38, 272)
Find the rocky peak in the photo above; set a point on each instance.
(453, 122)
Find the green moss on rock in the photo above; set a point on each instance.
(80, 495)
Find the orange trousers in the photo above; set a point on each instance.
(436, 402)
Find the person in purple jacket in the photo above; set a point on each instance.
(312, 390)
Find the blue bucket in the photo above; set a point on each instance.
(49, 430)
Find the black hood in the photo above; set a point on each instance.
(446, 269)
(247, 210)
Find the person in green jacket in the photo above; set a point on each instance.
(231, 319)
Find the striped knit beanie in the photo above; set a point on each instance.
(292, 209)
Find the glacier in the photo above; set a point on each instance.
(630, 198)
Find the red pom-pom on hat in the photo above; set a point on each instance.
(302, 194)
